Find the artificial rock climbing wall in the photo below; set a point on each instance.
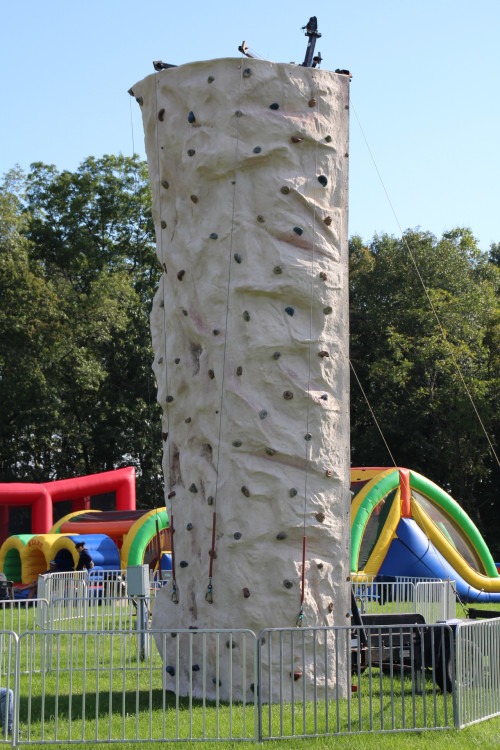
(248, 168)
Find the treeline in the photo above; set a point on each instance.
(77, 275)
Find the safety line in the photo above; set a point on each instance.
(431, 304)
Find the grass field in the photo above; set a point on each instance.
(94, 694)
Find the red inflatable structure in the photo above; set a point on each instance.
(41, 497)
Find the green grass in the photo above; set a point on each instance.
(92, 705)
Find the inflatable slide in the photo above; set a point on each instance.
(402, 524)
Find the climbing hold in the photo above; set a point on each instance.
(277, 270)
(257, 150)
(160, 360)
(216, 332)
(246, 592)
(237, 443)
(245, 491)
(180, 275)
(210, 500)
(183, 564)
(285, 189)
(171, 494)
(165, 184)
(289, 311)
(308, 436)
(162, 303)
(287, 584)
(193, 488)
(214, 680)
(261, 219)
(346, 156)
(239, 370)
(163, 224)
(330, 607)
(139, 100)
(295, 139)
(281, 535)
(194, 198)
(237, 257)
(191, 117)
(246, 315)
(323, 276)
(214, 236)
(164, 435)
(185, 313)
(323, 180)
(263, 414)
(238, 113)
(170, 399)
(329, 473)
(327, 220)
(320, 517)
(327, 310)
(297, 674)
(161, 115)
(210, 79)
(170, 670)
(312, 102)
(247, 72)
(287, 395)
(298, 230)
(237, 534)
(328, 138)
(323, 354)
(187, 420)
(191, 152)
(276, 355)
(189, 526)
(177, 360)
(252, 687)
(274, 105)
(293, 492)
(320, 566)
(324, 397)
(230, 644)
(270, 451)
(212, 553)
(211, 374)
(195, 667)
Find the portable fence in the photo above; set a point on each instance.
(478, 670)
(432, 598)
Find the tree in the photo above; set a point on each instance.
(80, 269)
(417, 352)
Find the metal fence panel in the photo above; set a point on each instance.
(90, 692)
(9, 684)
(391, 683)
(478, 670)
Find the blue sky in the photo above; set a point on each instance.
(425, 89)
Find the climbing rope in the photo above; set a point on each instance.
(165, 435)
(209, 592)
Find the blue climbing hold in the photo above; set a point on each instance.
(298, 230)
(289, 311)
(274, 105)
(191, 117)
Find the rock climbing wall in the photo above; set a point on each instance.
(248, 168)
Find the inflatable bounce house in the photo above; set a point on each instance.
(402, 524)
(115, 539)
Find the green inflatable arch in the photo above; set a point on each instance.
(439, 497)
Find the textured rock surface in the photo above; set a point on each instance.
(248, 168)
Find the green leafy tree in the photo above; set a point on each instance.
(419, 352)
(80, 268)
